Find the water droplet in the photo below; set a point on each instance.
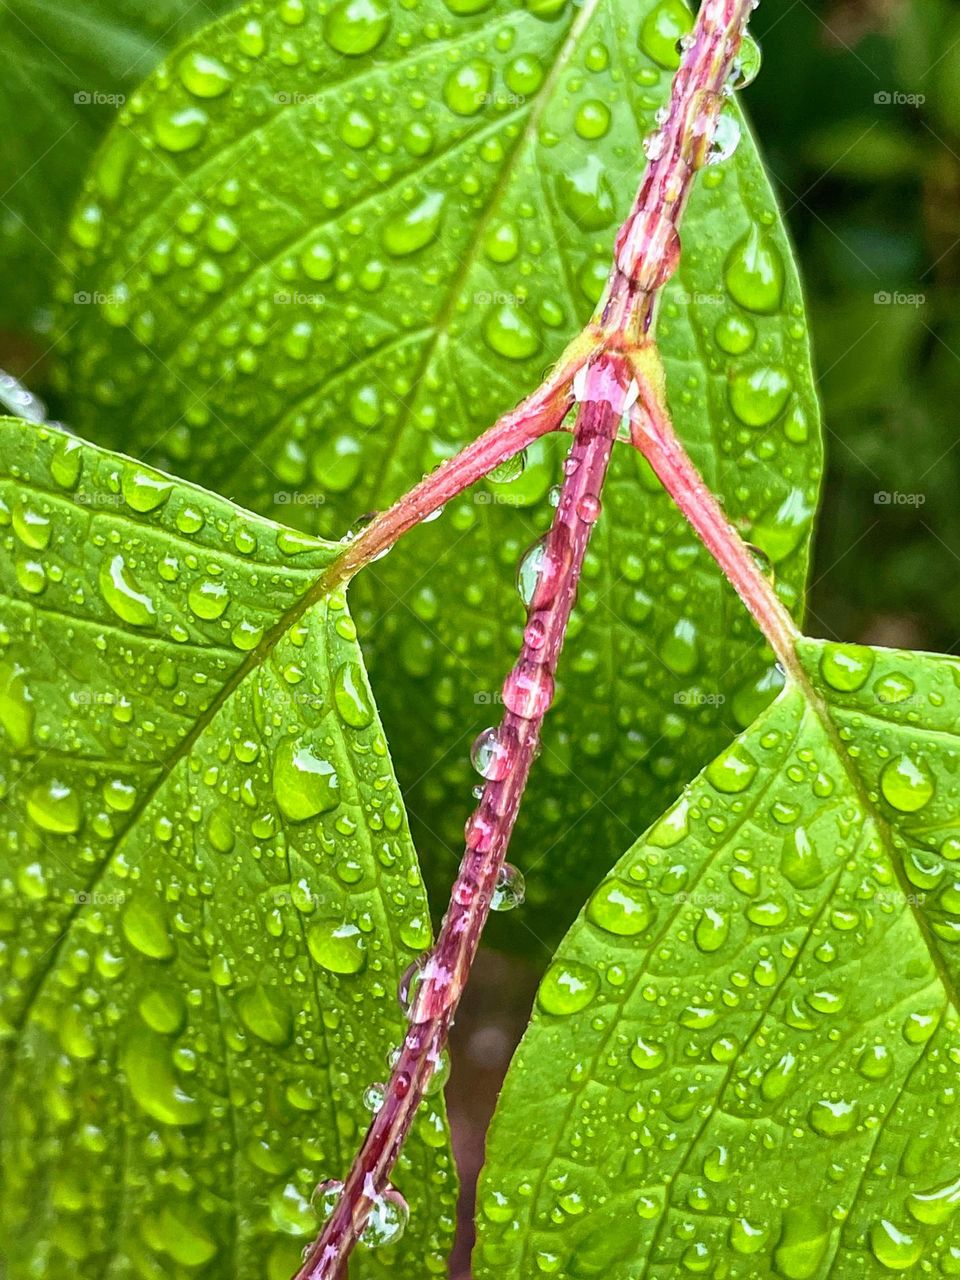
(893, 1248)
(387, 1221)
(846, 667)
(416, 226)
(325, 1197)
(907, 784)
(121, 592)
(263, 1016)
(490, 756)
(337, 946)
(746, 67)
(144, 490)
(351, 696)
(711, 930)
(733, 771)
(936, 1206)
(374, 1096)
(354, 27)
(53, 806)
(799, 861)
(204, 76)
(592, 119)
(510, 333)
(467, 88)
(754, 273)
(758, 396)
(725, 140)
(647, 1056)
(680, 650)
(32, 527)
(208, 599)
(510, 889)
(662, 30)
(567, 988)
(179, 129)
(586, 194)
(619, 908)
(528, 690)
(304, 783)
(804, 1237)
(17, 711)
(154, 1087)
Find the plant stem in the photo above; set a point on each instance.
(647, 250)
(538, 414)
(527, 694)
(654, 435)
(603, 369)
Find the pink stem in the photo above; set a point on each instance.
(654, 435)
(527, 694)
(538, 414)
(606, 356)
(647, 250)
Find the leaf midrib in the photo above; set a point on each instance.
(326, 582)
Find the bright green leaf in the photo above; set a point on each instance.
(208, 891)
(759, 1079)
(336, 269)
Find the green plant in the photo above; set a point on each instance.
(213, 876)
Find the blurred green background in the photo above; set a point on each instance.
(858, 109)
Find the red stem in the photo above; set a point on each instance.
(647, 250)
(527, 693)
(605, 357)
(538, 414)
(654, 435)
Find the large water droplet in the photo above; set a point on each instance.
(907, 784)
(416, 226)
(122, 593)
(754, 273)
(893, 1248)
(337, 946)
(567, 988)
(354, 27)
(304, 783)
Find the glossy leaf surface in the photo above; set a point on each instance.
(324, 250)
(208, 891)
(744, 1057)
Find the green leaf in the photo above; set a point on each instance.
(744, 1058)
(208, 890)
(341, 267)
(62, 71)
